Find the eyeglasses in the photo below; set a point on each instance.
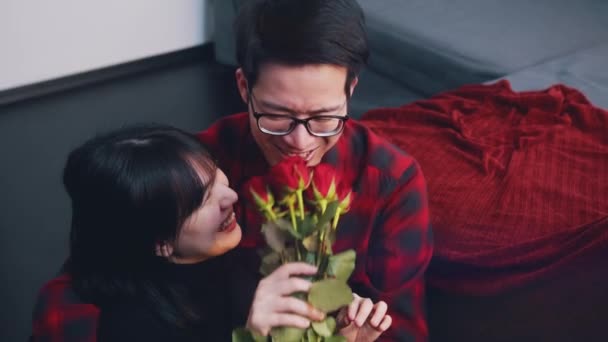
(282, 124)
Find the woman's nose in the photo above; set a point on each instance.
(230, 198)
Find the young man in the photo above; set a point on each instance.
(298, 67)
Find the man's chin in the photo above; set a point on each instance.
(313, 161)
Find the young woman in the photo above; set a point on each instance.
(152, 225)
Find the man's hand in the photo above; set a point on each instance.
(273, 304)
(363, 321)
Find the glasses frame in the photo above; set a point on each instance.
(258, 115)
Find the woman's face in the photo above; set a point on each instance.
(212, 229)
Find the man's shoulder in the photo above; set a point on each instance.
(225, 130)
(379, 153)
(226, 138)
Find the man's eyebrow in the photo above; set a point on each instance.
(280, 108)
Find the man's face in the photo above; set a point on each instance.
(301, 92)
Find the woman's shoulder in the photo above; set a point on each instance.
(61, 314)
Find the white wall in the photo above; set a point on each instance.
(46, 39)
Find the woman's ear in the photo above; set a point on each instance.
(164, 249)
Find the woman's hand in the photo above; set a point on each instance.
(273, 306)
(363, 320)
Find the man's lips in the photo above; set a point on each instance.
(306, 155)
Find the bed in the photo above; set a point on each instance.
(518, 194)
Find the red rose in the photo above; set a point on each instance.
(345, 198)
(259, 194)
(289, 175)
(324, 183)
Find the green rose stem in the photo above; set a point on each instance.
(292, 214)
(300, 202)
(270, 214)
(294, 223)
(334, 224)
(322, 202)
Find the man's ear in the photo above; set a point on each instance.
(353, 84)
(242, 84)
(164, 249)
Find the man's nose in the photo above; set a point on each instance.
(299, 138)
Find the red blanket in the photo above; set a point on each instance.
(518, 182)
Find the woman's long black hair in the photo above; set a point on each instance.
(131, 189)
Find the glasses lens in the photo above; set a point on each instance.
(325, 125)
(275, 124)
(281, 125)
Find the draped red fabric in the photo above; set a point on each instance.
(518, 181)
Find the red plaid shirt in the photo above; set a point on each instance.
(388, 224)
(61, 316)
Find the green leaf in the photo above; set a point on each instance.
(329, 295)
(287, 334)
(307, 226)
(275, 237)
(330, 238)
(337, 338)
(311, 335)
(328, 215)
(328, 250)
(270, 262)
(310, 258)
(289, 255)
(326, 327)
(311, 243)
(341, 265)
(245, 335)
(286, 226)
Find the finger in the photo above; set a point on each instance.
(365, 308)
(290, 285)
(353, 307)
(294, 268)
(342, 318)
(289, 320)
(386, 323)
(379, 313)
(351, 329)
(296, 306)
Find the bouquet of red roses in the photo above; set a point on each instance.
(301, 208)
